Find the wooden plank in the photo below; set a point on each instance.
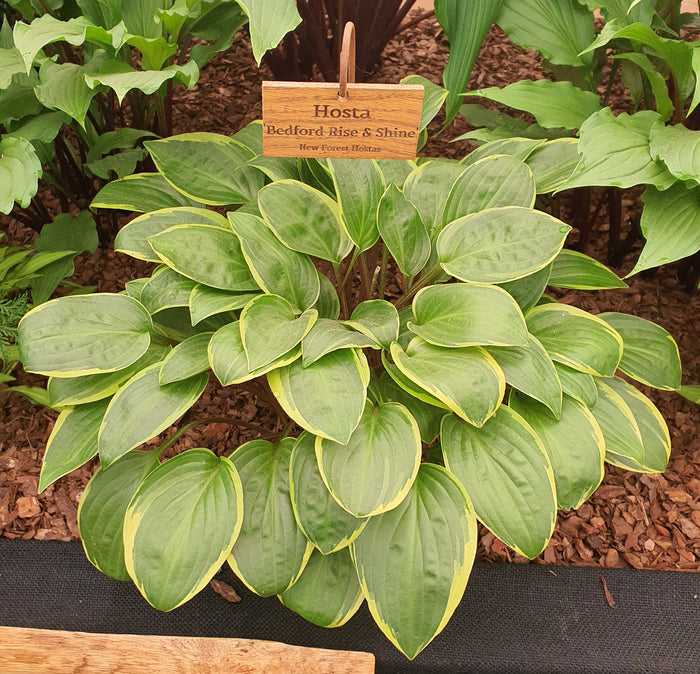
(33, 650)
(375, 121)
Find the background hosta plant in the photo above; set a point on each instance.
(389, 311)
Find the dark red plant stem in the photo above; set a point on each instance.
(328, 70)
(615, 219)
(580, 208)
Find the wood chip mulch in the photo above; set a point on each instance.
(632, 520)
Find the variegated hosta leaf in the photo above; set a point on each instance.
(206, 302)
(500, 244)
(414, 561)
(579, 385)
(166, 289)
(527, 291)
(325, 523)
(552, 163)
(519, 148)
(328, 303)
(576, 338)
(327, 593)
(181, 525)
(187, 359)
(132, 239)
(278, 270)
(73, 441)
(327, 398)
(530, 370)
(141, 192)
(460, 314)
(143, 408)
(474, 395)
(84, 334)
(270, 328)
(374, 470)
(271, 550)
(649, 353)
(572, 269)
(505, 469)
(574, 444)
(377, 319)
(327, 335)
(103, 507)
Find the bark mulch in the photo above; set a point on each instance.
(632, 520)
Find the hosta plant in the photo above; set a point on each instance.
(394, 315)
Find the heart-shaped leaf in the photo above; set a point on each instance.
(327, 335)
(378, 319)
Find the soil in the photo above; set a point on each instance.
(632, 520)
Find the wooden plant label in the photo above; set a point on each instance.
(376, 121)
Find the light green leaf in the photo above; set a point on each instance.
(359, 185)
(657, 81)
(206, 302)
(207, 167)
(377, 319)
(205, 254)
(103, 507)
(84, 334)
(328, 303)
(62, 87)
(166, 289)
(73, 441)
(530, 370)
(690, 392)
(20, 170)
(327, 335)
(278, 270)
(519, 148)
(181, 525)
(270, 21)
(395, 170)
(304, 219)
(677, 147)
(327, 593)
(187, 359)
(553, 104)
(527, 291)
(142, 409)
(132, 239)
(576, 338)
(11, 63)
(271, 550)
(413, 562)
(574, 444)
(572, 269)
(143, 192)
(433, 98)
(374, 470)
(578, 385)
(43, 127)
(326, 398)
(649, 354)
(500, 244)
(270, 328)
(474, 395)
(552, 163)
(460, 314)
(507, 474)
(328, 526)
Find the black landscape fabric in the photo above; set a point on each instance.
(513, 618)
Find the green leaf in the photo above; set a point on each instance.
(460, 314)
(670, 224)
(69, 232)
(43, 128)
(103, 507)
(142, 193)
(403, 232)
(328, 526)
(530, 370)
(327, 593)
(519, 148)
(122, 164)
(413, 562)
(218, 25)
(572, 269)
(374, 470)
(359, 185)
(271, 551)
(492, 182)
(326, 398)
(73, 441)
(269, 329)
(578, 385)
(395, 170)
(656, 441)
(433, 98)
(132, 239)
(278, 270)
(500, 244)
(328, 303)
(270, 21)
(207, 167)
(187, 359)
(676, 146)
(465, 25)
(656, 80)
(474, 395)
(304, 219)
(553, 104)
(85, 334)
(206, 302)
(552, 163)
(615, 151)
(11, 63)
(20, 170)
(377, 319)
(327, 335)
(181, 525)
(62, 86)
(576, 338)
(507, 474)
(205, 254)
(527, 291)
(690, 392)
(142, 409)
(166, 289)
(649, 353)
(574, 444)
